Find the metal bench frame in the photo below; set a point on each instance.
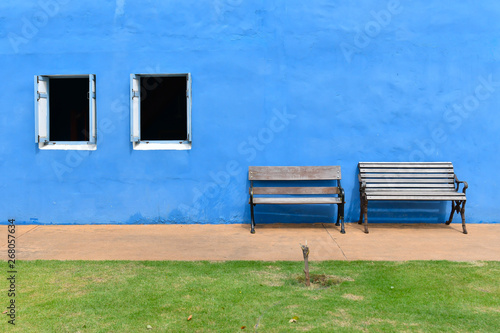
(399, 181)
(284, 195)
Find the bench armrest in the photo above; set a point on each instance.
(362, 184)
(458, 182)
(250, 190)
(341, 191)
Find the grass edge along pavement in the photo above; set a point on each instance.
(127, 296)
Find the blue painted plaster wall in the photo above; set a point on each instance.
(274, 83)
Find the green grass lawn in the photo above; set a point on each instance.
(127, 296)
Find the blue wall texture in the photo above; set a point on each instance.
(274, 83)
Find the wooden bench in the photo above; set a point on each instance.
(299, 193)
(433, 181)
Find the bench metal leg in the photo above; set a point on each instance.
(360, 209)
(364, 211)
(341, 212)
(252, 230)
(337, 223)
(454, 207)
(458, 207)
(366, 218)
(462, 214)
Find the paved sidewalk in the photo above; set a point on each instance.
(270, 242)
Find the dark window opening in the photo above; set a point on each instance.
(69, 109)
(163, 108)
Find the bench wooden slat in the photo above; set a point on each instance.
(426, 170)
(296, 190)
(409, 190)
(415, 197)
(286, 201)
(294, 173)
(409, 181)
(406, 164)
(407, 175)
(377, 185)
(414, 193)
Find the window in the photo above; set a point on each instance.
(65, 112)
(160, 111)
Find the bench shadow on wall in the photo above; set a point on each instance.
(397, 212)
(266, 214)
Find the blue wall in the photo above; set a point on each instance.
(274, 83)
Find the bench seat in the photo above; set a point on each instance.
(422, 196)
(295, 201)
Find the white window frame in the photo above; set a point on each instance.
(135, 116)
(42, 115)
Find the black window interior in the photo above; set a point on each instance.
(163, 108)
(69, 109)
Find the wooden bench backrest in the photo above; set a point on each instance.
(429, 176)
(288, 173)
(294, 172)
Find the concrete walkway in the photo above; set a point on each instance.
(270, 242)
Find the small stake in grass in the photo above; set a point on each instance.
(305, 252)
